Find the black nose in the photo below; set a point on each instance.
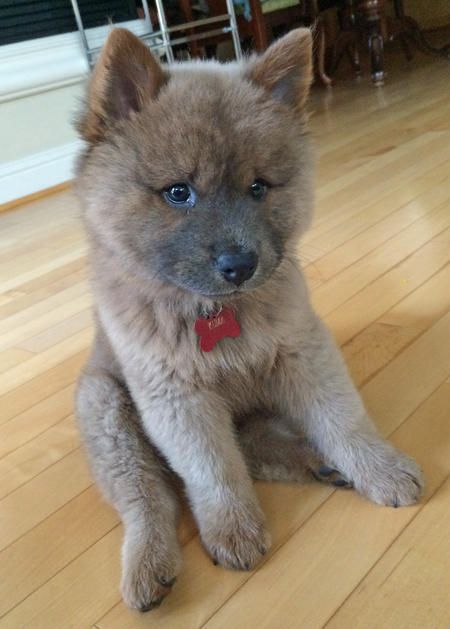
(237, 267)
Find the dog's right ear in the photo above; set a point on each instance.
(284, 70)
(125, 76)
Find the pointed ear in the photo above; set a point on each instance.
(125, 76)
(285, 68)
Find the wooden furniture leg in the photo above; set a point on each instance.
(186, 8)
(346, 41)
(320, 47)
(373, 13)
(260, 40)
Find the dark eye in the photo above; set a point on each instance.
(180, 195)
(258, 189)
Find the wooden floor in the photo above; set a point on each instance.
(377, 261)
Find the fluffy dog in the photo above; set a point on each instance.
(196, 186)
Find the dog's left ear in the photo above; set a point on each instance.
(125, 77)
(285, 68)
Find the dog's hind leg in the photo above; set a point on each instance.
(132, 477)
(275, 451)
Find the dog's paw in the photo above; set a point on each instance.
(148, 574)
(238, 543)
(392, 479)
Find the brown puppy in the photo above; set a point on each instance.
(196, 186)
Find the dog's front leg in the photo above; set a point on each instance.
(193, 430)
(134, 479)
(311, 384)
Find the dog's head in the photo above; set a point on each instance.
(198, 174)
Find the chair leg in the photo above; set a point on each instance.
(319, 31)
(258, 23)
(373, 12)
(376, 49)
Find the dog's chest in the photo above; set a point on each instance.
(234, 361)
(165, 353)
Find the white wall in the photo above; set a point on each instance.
(38, 122)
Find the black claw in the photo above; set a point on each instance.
(262, 550)
(340, 482)
(166, 582)
(324, 470)
(215, 562)
(146, 608)
(247, 565)
(395, 504)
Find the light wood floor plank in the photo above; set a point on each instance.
(410, 378)
(40, 363)
(24, 508)
(31, 293)
(333, 259)
(36, 419)
(380, 342)
(12, 357)
(49, 320)
(59, 332)
(382, 293)
(409, 588)
(37, 556)
(41, 387)
(380, 179)
(36, 455)
(351, 202)
(45, 267)
(366, 142)
(354, 220)
(34, 310)
(351, 280)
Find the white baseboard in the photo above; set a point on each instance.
(38, 172)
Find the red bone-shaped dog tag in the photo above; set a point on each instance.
(216, 327)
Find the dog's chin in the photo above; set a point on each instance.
(232, 293)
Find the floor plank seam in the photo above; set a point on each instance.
(57, 572)
(383, 274)
(5, 424)
(44, 469)
(320, 220)
(44, 519)
(384, 242)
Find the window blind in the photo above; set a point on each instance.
(29, 19)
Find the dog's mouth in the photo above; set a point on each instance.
(224, 293)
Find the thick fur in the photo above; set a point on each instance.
(275, 403)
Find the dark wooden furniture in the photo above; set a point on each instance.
(379, 28)
(307, 12)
